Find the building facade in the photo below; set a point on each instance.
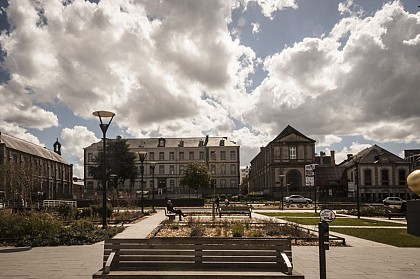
(31, 172)
(172, 156)
(279, 169)
(377, 173)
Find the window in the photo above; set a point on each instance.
(385, 177)
(181, 169)
(213, 155)
(181, 156)
(201, 155)
(368, 177)
(171, 184)
(191, 155)
(222, 155)
(232, 169)
(90, 185)
(292, 152)
(233, 183)
(213, 169)
(223, 169)
(161, 142)
(161, 156)
(90, 157)
(151, 156)
(161, 169)
(222, 183)
(233, 155)
(171, 169)
(151, 183)
(401, 177)
(171, 156)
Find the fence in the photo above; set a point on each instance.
(57, 203)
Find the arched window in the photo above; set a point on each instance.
(294, 180)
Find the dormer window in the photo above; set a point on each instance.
(181, 143)
(222, 143)
(161, 142)
(141, 144)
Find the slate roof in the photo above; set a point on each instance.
(367, 156)
(177, 142)
(29, 148)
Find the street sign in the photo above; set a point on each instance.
(327, 215)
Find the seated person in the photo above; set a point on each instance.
(170, 208)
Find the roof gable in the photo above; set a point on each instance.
(288, 133)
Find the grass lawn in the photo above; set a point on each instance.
(309, 218)
(395, 237)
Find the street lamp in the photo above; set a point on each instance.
(282, 176)
(152, 168)
(356, 163)
(104, 127)
(313, 166)
(142, 156)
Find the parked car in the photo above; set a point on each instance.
(393, 201)
(297, 199)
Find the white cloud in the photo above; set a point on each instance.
(255, 27)
(364, 85)
(355, 148)
(73, 140)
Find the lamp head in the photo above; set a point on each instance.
(142, 156)
(152, 165)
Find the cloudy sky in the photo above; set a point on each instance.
(345, 73)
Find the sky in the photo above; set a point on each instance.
(344, 73)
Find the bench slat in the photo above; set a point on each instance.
(185, 254)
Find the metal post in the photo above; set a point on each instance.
(323, 231)
(357, 189)
(315, 188)
(104, 127)
(152, 167)
(282, 190)
(142, 157)
(104, 209)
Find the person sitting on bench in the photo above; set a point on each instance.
(170, 208)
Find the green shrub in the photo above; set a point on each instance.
(197, 230)
(86, 212)
(43, 229)
(66, 211)
(238, 230)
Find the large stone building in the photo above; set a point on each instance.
(381, 174)
(31, 172)
(172, 156)
(279, 169)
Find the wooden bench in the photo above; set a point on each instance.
(398, 213)
(191, 257)
(234, 209)
(170, 215)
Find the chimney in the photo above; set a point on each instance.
(349, 156)
(321, 157)
(332, 154)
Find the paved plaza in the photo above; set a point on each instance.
(362, 259)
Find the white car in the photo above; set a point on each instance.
(393, 201)
(297, 199)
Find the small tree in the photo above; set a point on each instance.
(196, 176)
(119, 162)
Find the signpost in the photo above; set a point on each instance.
(326, 215)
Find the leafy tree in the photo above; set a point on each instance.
(19, 181)
(196, 176)
(119, 162)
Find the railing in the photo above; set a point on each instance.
(57, 203)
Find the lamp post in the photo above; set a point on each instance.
(282, 176)
(152, 168)
(104, 127)
(313, 166)
(142, 157)
(356, 162)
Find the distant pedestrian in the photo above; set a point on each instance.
(170, 208)
(217, 202)
(226, 201)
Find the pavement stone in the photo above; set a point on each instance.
(362, 259)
